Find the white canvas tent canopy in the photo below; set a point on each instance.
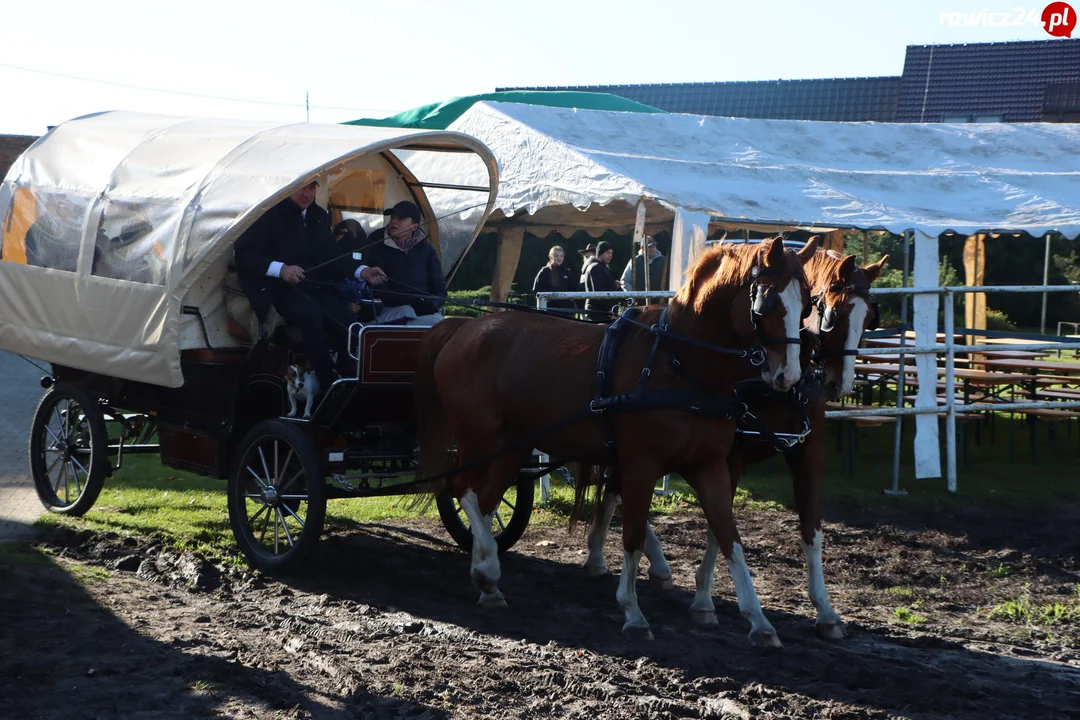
(115, 223)
(566, 169)
(570, 169)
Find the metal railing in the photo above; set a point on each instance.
(948, 348)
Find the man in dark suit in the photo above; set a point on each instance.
(290, 244)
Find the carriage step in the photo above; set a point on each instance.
(335, 401)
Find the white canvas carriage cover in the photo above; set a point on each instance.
(180, 191)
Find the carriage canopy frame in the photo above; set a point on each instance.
(118, 227)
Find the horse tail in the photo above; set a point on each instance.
(437, 456)
(589, 491)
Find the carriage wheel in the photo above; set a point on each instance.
(277, 499)
(507, 524)
(68, 450)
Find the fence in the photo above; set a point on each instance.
(948, 349)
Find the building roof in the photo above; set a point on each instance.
(835, 99)
(1009, 81)
(11, 147)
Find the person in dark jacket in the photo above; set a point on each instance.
(415, 289)
(633, 277)
(555, 277)
(290, 244)
(597, 277)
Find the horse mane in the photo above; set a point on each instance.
(822, 269)
(719, 266)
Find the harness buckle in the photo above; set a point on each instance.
(645, 373)
(595, 410)
(757, 357)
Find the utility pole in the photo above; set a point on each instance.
(307, 106)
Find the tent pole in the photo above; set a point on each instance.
(1046, 281)
(639, 236)
(898, 432)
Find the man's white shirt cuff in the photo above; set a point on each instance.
(275, 269)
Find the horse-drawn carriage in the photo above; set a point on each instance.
(116, 268)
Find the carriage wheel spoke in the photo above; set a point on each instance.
(508, 504)
(289, 483)
(256, 476)
(80, 466)
(61, 477)
(262, 456)
(277, 535)
(295, 516)
(56, 440)
(498, 519)
(75, 475)
(60, 420)
(254, 518)
(288, 535)
(266, 526)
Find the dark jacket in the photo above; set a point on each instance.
(636, 276)
(545, 282)
(282, 235)
(598, 278)
(418, 271)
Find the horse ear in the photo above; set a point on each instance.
(774, 255)
(847, 266)
(809, 249)
(873, 270)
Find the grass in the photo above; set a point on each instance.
(1002, 570)
(1021, 611)
(908, 615)
(900, 591)
(88, 574)
(189, 512)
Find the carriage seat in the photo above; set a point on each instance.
(244, 325)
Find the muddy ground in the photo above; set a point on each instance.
(384, 625)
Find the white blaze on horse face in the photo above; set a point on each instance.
(788, 372)
(856, 320)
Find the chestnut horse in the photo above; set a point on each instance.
(500, 385)
(842, 311)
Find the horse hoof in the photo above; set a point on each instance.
(664, 583)
(764, 639)
(637, 633)
(595, 571)
(830, 630)
(483, 583)
(704, 617)
(492, 600)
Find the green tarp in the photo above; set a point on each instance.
(437, 116)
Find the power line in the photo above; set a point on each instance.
(186, 94)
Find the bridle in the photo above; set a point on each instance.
(828, 315)
(763, 300)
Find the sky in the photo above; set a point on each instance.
(355, 58)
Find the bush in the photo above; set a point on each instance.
(997, 320)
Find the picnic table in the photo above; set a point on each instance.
(1032, 367)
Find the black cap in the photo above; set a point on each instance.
(588, 248)
(603, 246)
(404, 209)
(351, 227)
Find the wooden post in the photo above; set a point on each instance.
(639, 236)
(974, 271)
(507, 255)
(833, 241)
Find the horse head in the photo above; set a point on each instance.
(764, 294)
(842, 310)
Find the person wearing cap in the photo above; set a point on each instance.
(597, 277)
(288, 260)
(633, 277)
(415, 289)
